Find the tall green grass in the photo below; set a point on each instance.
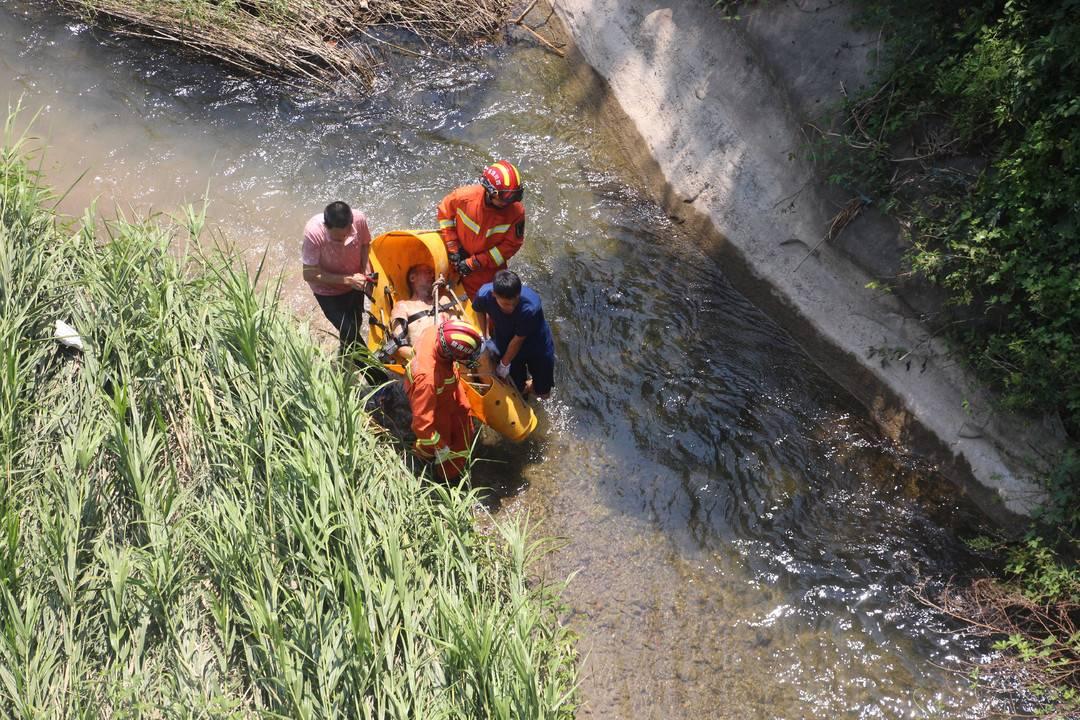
(197, 519)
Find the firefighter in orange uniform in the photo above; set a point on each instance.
(441, 417)
(483, 225)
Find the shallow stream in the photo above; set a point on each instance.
(743, 540)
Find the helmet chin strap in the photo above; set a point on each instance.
(490, 191)
(444, 347)
(474, 360)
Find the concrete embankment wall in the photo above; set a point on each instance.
(720, 107)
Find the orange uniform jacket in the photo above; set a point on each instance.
(440, 408)
(491, 235)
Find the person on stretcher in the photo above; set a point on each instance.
(410, 318)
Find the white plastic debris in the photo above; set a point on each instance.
(67, 336)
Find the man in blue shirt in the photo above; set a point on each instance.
(514, 317)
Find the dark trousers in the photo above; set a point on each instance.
(541, 368)
(346, 313)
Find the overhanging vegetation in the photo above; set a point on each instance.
(971, 139)
(323, 42)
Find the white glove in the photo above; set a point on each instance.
(502, 370)
(442, 455)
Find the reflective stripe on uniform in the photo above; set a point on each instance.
(408, 371)
(469, 223)
(445, 224)
(496, 255)
(453, 380)
(497, 229)
(433, 440)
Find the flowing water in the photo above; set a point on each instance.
(742, 540)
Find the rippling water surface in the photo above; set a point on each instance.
(743, 539)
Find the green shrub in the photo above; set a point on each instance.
(996, 82)
(972, 140)
(1062, 512)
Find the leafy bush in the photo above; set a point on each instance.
(1062, 512)
(973, 140)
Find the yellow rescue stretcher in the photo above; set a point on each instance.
(497, 403)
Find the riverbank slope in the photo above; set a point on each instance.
(720, 107)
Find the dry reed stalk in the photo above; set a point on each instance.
(520, 22)
(305, 40)
(1048, 656)
(849, 212)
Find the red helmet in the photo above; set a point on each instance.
(461, 342)
(504, 180)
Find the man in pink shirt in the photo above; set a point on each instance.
(337, 268)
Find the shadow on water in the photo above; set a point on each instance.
(743, 539)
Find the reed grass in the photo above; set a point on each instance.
(197, 519)
(324, 42)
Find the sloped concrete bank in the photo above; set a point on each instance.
(720, 108)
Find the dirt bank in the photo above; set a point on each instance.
(720, 107)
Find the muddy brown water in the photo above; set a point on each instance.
(742, 540)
